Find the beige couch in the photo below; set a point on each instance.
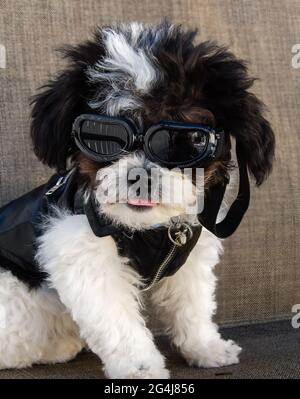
(259, 276)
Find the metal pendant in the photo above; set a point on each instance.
(179, 233)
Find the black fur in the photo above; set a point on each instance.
(60, 101)
(205, 79)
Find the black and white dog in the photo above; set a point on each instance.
(85, 290)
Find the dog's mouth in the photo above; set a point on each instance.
(141, 204)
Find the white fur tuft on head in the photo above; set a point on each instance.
(127, 67)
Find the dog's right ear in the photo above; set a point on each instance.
(59, 103)
(53, 113)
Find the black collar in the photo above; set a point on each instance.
(100, 225)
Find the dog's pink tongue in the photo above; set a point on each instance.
(141, 202)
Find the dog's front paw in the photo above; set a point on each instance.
(149, 365)
(215, 353)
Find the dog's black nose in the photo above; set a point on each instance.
(142, 184)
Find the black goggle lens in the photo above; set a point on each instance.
(104, 139)
(178, 146)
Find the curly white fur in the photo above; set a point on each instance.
(94, 297)
(186, 303)
(173, 185)
(102, 294)
(95, 288)
(37, 327)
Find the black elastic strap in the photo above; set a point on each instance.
(237, 210)
(99, 224)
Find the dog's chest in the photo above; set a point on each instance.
(152, 254)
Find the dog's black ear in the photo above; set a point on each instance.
(53, 113)
(256, 137)
(59, 103)
(240, 112)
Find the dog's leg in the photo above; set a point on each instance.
(186, 304)
(34, 326)
(101, 292)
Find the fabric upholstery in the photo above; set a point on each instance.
(259, 276)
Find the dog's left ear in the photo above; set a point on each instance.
(240, 112)
(255, 136)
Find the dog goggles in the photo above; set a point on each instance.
(171, 144)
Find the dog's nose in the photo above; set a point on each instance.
(142, 183)
(143, 177)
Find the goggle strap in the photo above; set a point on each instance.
(223, 143)
(238, 208)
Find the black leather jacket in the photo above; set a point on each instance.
(150, 252)
(20, 226)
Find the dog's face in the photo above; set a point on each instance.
(148, 74)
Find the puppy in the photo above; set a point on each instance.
(149, 98)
